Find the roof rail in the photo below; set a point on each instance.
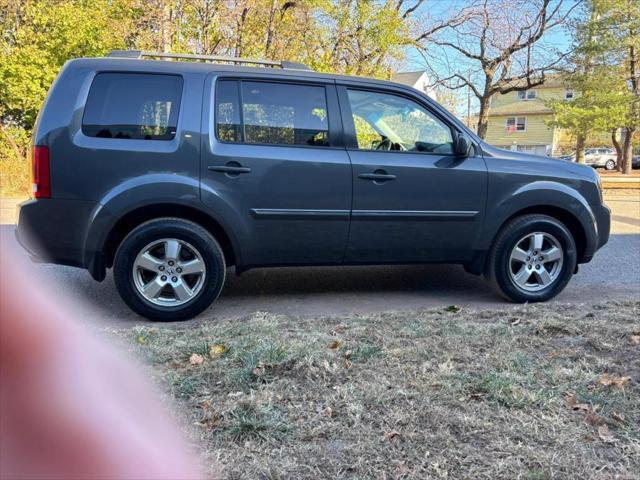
(139, 54)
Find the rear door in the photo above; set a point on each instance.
(274, 168)
(413, 199)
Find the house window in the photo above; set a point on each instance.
(526, 94)
(516, 124)
(568, 94)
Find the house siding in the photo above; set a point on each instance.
(536, 132)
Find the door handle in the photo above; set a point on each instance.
(377, 176)
(230, 169)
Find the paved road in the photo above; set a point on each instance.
(613, 274)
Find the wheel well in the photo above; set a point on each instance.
(136, 217)
(567, 218)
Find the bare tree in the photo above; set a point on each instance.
(500, 45)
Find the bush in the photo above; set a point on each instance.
(15, 168)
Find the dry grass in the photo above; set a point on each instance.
(428, 394)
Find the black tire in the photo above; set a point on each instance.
(499, 265)
(174, 228)
(610, 165)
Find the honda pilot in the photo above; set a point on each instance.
(169, 170)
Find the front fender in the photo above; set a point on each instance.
(543, 194)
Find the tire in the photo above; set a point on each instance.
(159, 288)
(505, 264)
(610, 165)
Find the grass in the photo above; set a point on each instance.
(427, 394)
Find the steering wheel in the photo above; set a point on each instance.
(387, 144)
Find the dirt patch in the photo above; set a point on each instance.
(429, 394)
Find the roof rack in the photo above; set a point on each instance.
(139, 54)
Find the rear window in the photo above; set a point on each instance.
(271, 113)
(133, 106)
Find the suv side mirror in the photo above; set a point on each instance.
(462, 146)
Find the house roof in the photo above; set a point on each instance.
(529, 107)
(407, 78)
(553, 80)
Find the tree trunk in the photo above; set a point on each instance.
(483, 117)
(580, 141)
(627, 151)
(616, 145)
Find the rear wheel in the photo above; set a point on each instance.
(610, 165)
(532, 259)
(169, 269)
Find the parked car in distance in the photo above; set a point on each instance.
(168, 172)
(597, 158)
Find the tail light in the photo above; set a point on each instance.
(41, 172)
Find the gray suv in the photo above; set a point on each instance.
(168, 172)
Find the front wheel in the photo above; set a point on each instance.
(532, 259)
(169, 269)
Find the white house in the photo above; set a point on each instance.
(418, 80)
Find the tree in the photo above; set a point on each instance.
(503, 44)
(615, 44)
(601, 97)
(600, 105)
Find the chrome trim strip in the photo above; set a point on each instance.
(290, 213)
(415, 214)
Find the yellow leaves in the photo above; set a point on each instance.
(217, 350)
(618, 382)
(196, 359)
(141, 339)
(335, 344)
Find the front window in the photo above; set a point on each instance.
(527, 94)
(390, 122)
(568, 95)
(516, 124)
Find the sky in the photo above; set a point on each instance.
(559, 37)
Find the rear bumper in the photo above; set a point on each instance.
(54, 230)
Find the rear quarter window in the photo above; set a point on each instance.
(133, 106)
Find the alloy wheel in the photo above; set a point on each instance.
(169, 272)
(536, 261)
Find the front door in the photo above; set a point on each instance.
(275, 169)
(413, 199)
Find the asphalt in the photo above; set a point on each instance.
(614, 274)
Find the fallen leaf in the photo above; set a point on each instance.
(635, 339)
(515, 322)
(453, 309)
(619, 382)
(196, 359)
(605, 434)
(140, 339)
(328, 411)
(572, 403)
(347, 354)
(617, 416)
(335, 344)
(216, 351)
(570, 399)
(593, 418)
(392, 435)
